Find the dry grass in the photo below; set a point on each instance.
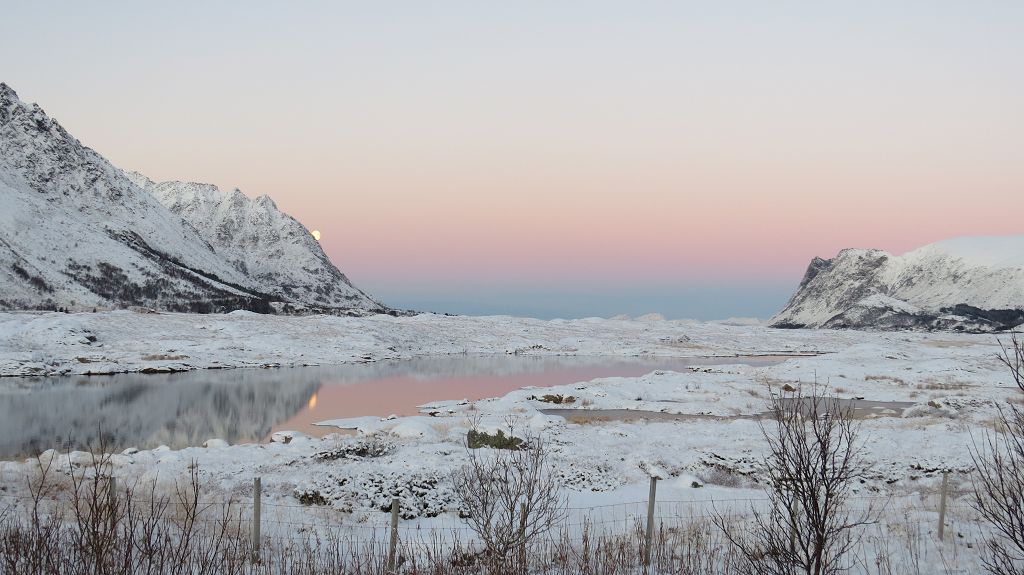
(145, 532)
(163, 357)
(142, 531)
(69, 526)
(891, 378)
(442, 427)
(951, 385)
(584, 419)
(995, 423)
(948, 343)
(775, 383)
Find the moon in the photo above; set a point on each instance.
(316, 235)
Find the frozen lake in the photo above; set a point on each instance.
(247, 405)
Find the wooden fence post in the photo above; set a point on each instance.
(393, 544)
(649, 539)
(111, 501)
(257, 489)
(522, 537)
(942, 504)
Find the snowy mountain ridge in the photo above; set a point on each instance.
(77, 232)
(964, 284)
(992, 251)
(260, 241)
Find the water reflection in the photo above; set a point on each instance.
(248, 404)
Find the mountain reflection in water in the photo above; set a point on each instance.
(246, 405)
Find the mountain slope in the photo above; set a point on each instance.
(268, 246)
(969, 284)
(77, 232)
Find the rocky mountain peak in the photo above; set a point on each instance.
(263, 242)
(967, 284)
(265, 201)
(7, 95)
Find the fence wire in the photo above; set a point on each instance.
(296, 521)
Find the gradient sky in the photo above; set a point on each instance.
(559, 158)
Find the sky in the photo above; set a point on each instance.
(559, 159)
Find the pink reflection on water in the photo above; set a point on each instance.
(400, 395)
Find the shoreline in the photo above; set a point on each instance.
(190, 369)
(48, 344)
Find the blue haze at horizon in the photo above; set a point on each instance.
(705, 302)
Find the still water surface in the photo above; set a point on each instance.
(247, 405)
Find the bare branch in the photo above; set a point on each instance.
(1012, 356)
(509, 497)
(812, 465)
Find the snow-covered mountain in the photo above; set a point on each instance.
(77, 232)
(265, 244)
(968, 284)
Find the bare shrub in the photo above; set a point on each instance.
(93, 528)
(812, 465)
(999, 491)
(475, 439)
(1012, 357)
(999, 484)
(509, 498)
(695, 548)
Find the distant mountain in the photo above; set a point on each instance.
(77, 232)
(963, 284)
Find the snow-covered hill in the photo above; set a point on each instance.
(77, 232)
(969, 284)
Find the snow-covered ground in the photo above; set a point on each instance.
(933, 392)
(125, 341)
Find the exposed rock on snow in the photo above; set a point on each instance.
(78, 233)
(287, 436)
(964, 284)
(421, 493)
(360, 448)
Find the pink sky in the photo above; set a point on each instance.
(476, 147)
